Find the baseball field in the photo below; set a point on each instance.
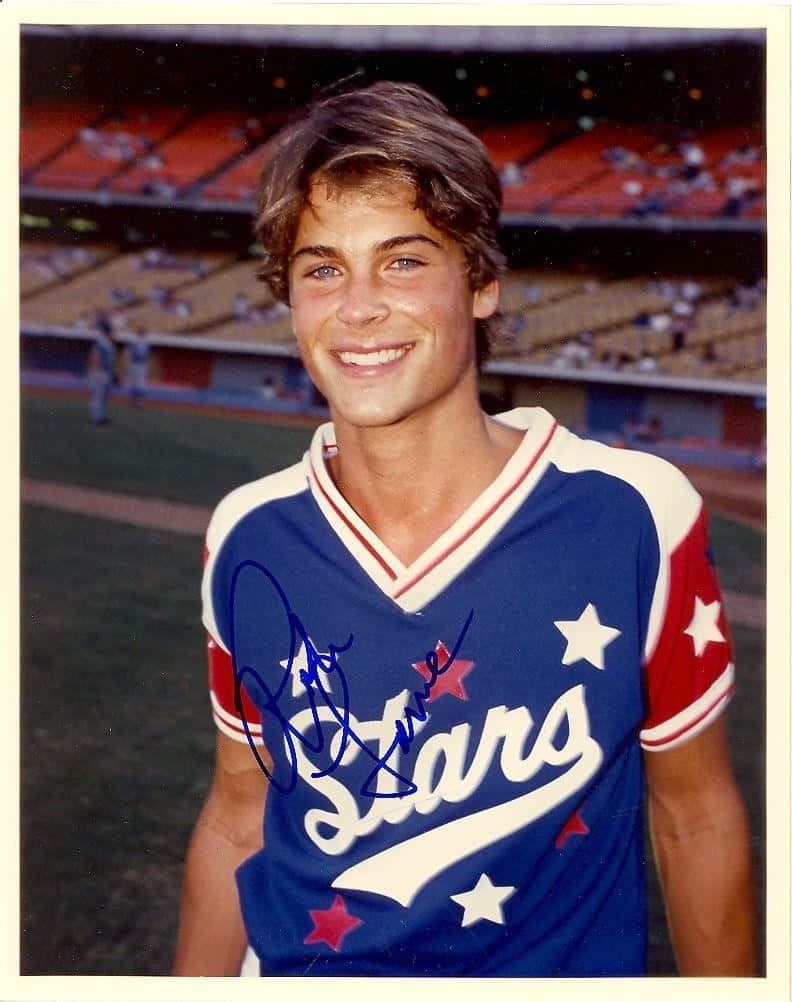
(117, 735)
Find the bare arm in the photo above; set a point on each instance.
(702, 847)
(212, 938)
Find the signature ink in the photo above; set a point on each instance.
(318, 666)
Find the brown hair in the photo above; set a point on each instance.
(383, 132)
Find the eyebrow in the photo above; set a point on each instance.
(323, 250)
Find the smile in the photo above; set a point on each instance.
(373, 358)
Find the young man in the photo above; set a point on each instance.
(445, 649)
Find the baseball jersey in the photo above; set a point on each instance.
(456, 776)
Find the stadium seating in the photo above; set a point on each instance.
(47, 263)
(557, 320)
(568, 166)
(237, 183)
(49, 124)
(75, 301)
(209, 302)
(609, 170)
(99, 152)
(201, 147)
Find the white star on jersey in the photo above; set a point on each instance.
(300, 663)
(586, 638)
(483, 902)
(703, 626)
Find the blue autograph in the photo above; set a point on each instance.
(326, 664)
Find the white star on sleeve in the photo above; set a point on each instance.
(300, 663)
(586, 638)
(484, 901)
(703, 627)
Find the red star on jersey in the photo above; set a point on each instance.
(332, 924)
(575, 826)
(451, 680)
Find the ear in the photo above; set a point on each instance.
(485, 300)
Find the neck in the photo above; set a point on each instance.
(411, 481)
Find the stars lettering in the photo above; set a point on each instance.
(332, 924)
(450, 681)
(703, 627)
(484, 901)
(586, 638)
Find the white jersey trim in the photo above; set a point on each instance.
(232, 726)
(233, 508)
(414, 586)
(694, 718)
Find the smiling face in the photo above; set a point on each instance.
(381, 306)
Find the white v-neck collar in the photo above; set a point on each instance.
(413, 586)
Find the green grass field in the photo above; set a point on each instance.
(117, 737)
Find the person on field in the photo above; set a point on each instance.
(138, 354)
(101, 367)
(447, 649)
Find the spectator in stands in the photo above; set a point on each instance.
(251, 132)
(159, 187)
(606, 360)
(654, 204)
(510, 174)
(621, 158)
(101, 369)
(690, 290)
(117, 320)
(647, 364)
(152, 161)
(268, 390)
(241, 307)
(739, 191)
(123, 296)
(694, 158)
(741, 155)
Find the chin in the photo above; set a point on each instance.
(366, 417)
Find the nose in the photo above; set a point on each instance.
(362, 301)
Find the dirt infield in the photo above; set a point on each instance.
(192, 520)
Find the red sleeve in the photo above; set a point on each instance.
(221, 692)
(689, 674)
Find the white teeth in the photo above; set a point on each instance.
(369, 358)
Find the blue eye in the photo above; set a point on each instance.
(324, 271)
(406, 263)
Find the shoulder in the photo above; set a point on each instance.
(672, 501)
(658, 485)
(249, 497)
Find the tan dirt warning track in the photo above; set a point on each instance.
(745, 501)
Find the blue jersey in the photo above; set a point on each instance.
(456, 774)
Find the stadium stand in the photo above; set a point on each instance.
(237, 183)
(96, 153)
(567, 166)
(609, 170)
(47, 125)
(201, 147)
(43, 264)
(114, 285)
(227, 292)
(559, 321)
